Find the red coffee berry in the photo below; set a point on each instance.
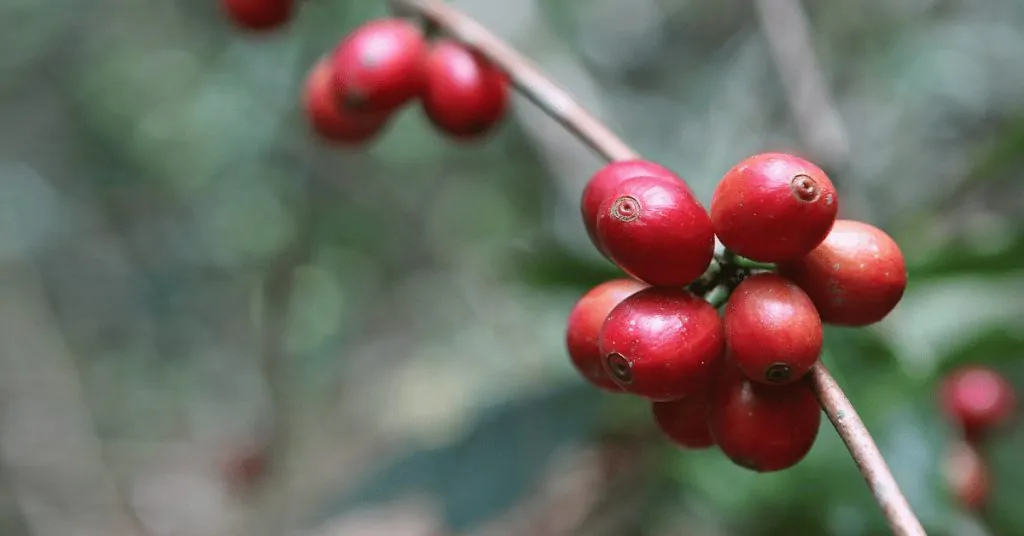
(762, 427)
(464, 94)
(259, 15)
(772, 329)
(656, 231)
(379, 66)
(583, 328)
(328, 118)
(684, 421)
(967, 475)
(855, 277)
(978, 399)
(662, 343)
(607, 178)
(773, 207)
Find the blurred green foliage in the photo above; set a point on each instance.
(154, 163)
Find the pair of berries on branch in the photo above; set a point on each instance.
(735, 379)
(352, 93)
(977, 401)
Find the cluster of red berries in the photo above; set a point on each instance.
(352, 93)
(733, 379)
(977, 400)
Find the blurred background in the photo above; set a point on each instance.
(212, 323)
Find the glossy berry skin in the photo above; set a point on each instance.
(329, 120)
(259, 15)
(774, 207)
(967, 475)
(379, 66)
(656, 231)
(583, 328)
(762, 427)
(684, 421)
(855, 277)
(772, 329)
(601, 184)
(464, 94)
(977, 399)
(662, 344)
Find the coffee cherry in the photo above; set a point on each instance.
(773, 207)
(855, 277)
(762, 427)
(772, 329)
(379, 66)
(607, 178)
(967, 475)
(662, 343)
(259, 15)
(328, 118)
(684, 421)
(978, 399)
(656, 231)
(464, 94)
(583, 328)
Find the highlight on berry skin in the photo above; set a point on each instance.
(662, 344)
(774, 207)
(464, 95)
(606, 179)
(656, 230)
(379, 66)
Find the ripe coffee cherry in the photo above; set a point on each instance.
(762, 427)
(662, 343)
(330, 120)
(259, 15)
(967, 475)
(656, 231)
(607, 178)
(774, 207)
(583, 328)
(379, 66)
(464, 94)
(978, 399)
(684, 421)
(772, 329)
(855, 277)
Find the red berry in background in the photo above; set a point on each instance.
(259, 14)
(762, 427)
(772, 329)
(967, 475)
(601, 183)
(774, 207)
(978, 399)
(464, 94)
(379, 66)
(583, 328)
(244, 466)
(855, 277)
(684, 421)
(656, 231)
(330, 120)
(662, 343)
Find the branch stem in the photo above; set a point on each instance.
(531, 82)
(558, 104)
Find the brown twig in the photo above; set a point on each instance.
(557, 103)
(865, 453)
